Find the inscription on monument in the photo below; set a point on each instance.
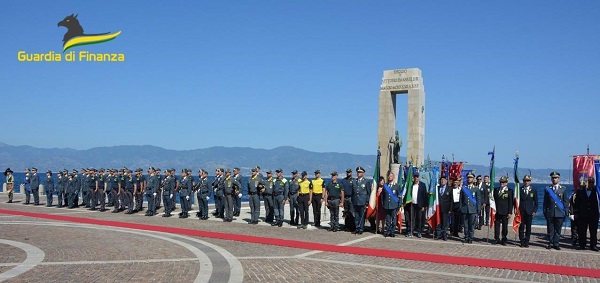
(402, 79)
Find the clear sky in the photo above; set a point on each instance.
(518, 75)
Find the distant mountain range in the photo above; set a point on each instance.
(143, 156)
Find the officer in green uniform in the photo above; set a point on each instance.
(253, 189)
(280, 192)
(267, 194)
(49, 188)
(230, 185)
(334, 194)
(293, 198)
(159, 179)
(203, 194)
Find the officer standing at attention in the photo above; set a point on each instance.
(504, 206)
(304, 200)
(230, 185)
(60, 189)
(237, 195)
(150, 192)
(280, 192)
(35, 186)
(90, 187)
(348, 213)
(203, 194)
(484, 188)
(555, 203)
(139, 183)
(168, 191)
(217, 185)
(10, 184)
(528, 206)
(49, 188)
(185, 190)
(586, 211)
(267, 193)
(334, 194)
(101, 180)
(361, 189)
(446, 203)
(390, 201)
(159, 181)
(128, 191)
(317, 185)
(293, 198)
(27, 184)
(470, 206)
(252, 187)
(72, 189)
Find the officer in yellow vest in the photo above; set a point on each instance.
(304, 200)
(316, 186)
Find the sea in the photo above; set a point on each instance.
(537, 220)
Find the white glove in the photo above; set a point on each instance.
(240, 195)
(572, 217)
(207, 198)
(154, 194)
(171, 196)
(187, 197)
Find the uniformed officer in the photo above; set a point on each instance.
(446, 202)
(27, 183)
(127, 191)
(115, 192)
(237, 195)
(415, 210)
(217, 185)
(35, 186)
(139, 186)
(334, 194)
(503, 197)
(470, 206)
(456, 214)
(72, 186)
(390, 201)
(304, 200)
(528, 206)
(10, 184)
(185, 191)
(293, 198)
(203, 194)
(150, 192)
(317, 185)
(168, 188)
(586, 213)
(90, 187)
(361, 189)
(49, 188)
(230, 186)
(65, 185)
(159, 179)
(555, 203)
(101, 192)
(280, 191)
(348, 213)
(267, 194)
(60, 189)
(484, 189)
(100, 180)
(253, 188)
(173, 202)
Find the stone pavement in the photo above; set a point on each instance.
(46, 250)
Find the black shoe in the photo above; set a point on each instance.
(93, 208)
(167, 215)
(273, 224)
(557, 248)
(594, 249)
(303, 227)
(299, 227)
(548, 247)
(114, 211)
(527, 245)
(419, 235)
(280, 224)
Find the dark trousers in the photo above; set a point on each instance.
(202, 205)
(100, 196)
(268, 200)
(316, 208)
(525, 228)
(167, 202)
(484, 216)
(65, 198)
(501, 221)
(27, 196)
(139, 200)
(585, 223)
(294, 214)
(49, 198)
(303, 208)
(237, 204)
(36, 195)
(359, 217)
(554, 225)
(414, 218)
(442, 228)
(219, 205)
(228, 207)
(129, 199)
(150, 199)
(184, 202)
(254, 202)
(456, 219)
(115, 199)
(73, 199)
(278, 207)
(390, 222)
(348, 213)
(469, 225)
(334, 213)
(60, 197)
(85, 195)
(158, 198)
(574, 231)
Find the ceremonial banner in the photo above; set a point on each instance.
(517, 219)
(433, 215)
(492, 184)
(583, 168)
(373, 198)
(455, 170)
(407, 197)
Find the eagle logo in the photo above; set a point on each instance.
(75, 35)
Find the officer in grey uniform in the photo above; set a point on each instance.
(217, 185)
(90, 187)
(60, 189)
(35, 186)
(281, 189)
(390, 201)
(348, 213)
(139, 186)
(82, 185)
(267, 194)
(127, 191)
(334, 194)
(158, 200)
(555, 204)
(65, 174)
(185, 191)
(293, 198)
(173, 196)
(72, 187)
(470, 206)
(230, 185)
(27, 184)
(237, 195)
(49, 188)
(100, 181)
(253, 189)
(361, 189)
(203, 194)
(168, 184)
(150, 192)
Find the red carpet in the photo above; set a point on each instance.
(458, 260)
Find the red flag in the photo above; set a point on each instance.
(399, 220)
(455, 170)
(583, 168)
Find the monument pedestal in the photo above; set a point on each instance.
(394, 168)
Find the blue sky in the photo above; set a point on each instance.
(520, 76)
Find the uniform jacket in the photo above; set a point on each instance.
(281, 187)
(185, 186)
(485, 193)
(252, 185)
(445, 199)
(203, 187)
(347, 184)
(35, 181)
(294, 186)
(387, 201)
(504, 201)
(230, 185)
(49, 187)
(240, 181)
(550, 208)
(584, 205)
(218, 185)
(361, 189)
(466, 205)
(528, 202)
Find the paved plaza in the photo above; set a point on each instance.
(49, 244)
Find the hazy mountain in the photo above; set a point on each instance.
(133, 156)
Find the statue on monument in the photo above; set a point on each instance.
(397, 144)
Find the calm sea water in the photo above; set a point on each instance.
(538, 219)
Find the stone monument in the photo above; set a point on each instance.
(393, 83)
